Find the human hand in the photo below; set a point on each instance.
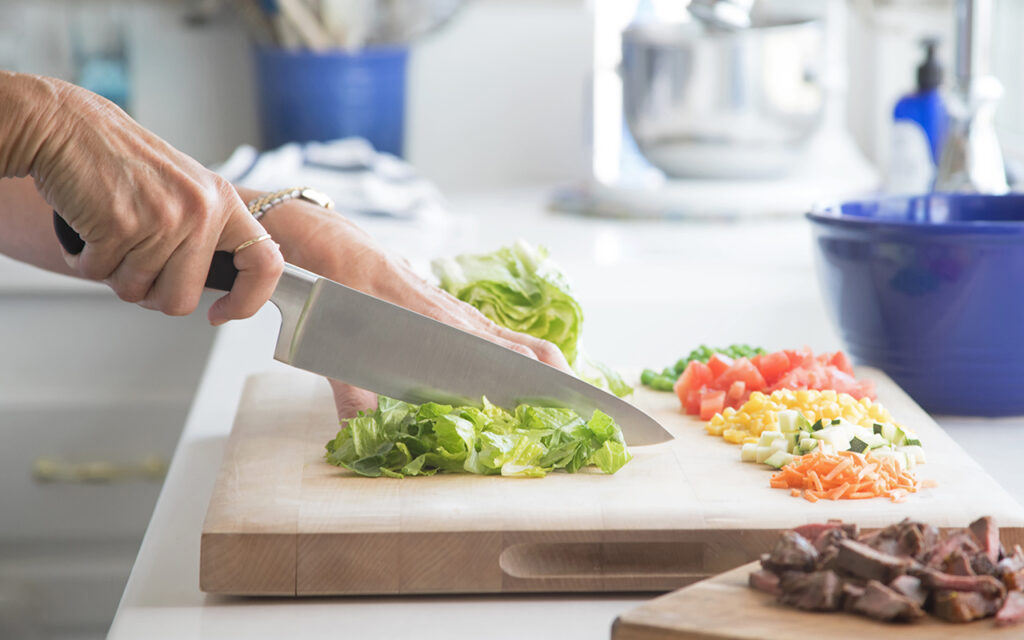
(151, 216)
(330, 245)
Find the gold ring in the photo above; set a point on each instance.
(249, 243)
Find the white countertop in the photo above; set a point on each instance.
(651, 291)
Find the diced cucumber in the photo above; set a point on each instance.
(762, 453)
(808, 445)
(838, 437)
(836, 420)
(873, 440)
(749, 452)
(779, 444)
(817, 426)
(857, 445)
(767, 437)
(877, 428)
(914, 451)
(898, 456)
(899, 437)
(787, 420)
(889, 431)
(792, 439)
(913, 442)
(779, 459)
(803, 423)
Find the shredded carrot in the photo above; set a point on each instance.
(846, 475)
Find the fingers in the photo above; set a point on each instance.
(471, 319)
(98, 260)
(178, 286)
(544, 351)
(133, 279)
(349, 400)
(259, 267)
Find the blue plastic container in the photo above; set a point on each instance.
(305, 96)
(931, 290)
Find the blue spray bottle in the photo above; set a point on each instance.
(919, 129)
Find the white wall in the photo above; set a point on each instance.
(495, 98)
(499, 97)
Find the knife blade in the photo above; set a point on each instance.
(348, 335)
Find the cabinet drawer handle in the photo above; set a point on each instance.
(46, 469)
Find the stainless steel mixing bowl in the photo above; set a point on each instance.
(720, 104)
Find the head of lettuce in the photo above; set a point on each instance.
(521, 288)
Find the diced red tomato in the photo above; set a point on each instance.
(736, 391)
(696, 375)
(719, 364)
(692, 403)
(711, 403)
(741, 371)
(772, 365)
(706, 389)
(841, 362)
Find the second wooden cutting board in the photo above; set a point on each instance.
(725, 608)
(282, 521)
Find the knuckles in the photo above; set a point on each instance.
(546, 351)
(179, 305)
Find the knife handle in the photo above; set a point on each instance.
(222, 272)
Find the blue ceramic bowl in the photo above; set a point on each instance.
(931, 290)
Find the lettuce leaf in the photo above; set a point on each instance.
(520, 288)
(400, 439)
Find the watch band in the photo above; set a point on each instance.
(266, 202)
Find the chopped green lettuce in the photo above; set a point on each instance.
(521, 289)
(401, 439)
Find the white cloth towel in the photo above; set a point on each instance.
(361, 181)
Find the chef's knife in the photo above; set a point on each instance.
(342, 333)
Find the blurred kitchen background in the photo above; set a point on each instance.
(496, 95)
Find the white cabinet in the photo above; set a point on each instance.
(84, 380)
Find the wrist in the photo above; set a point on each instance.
(29, 124)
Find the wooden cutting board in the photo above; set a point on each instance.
(725, 608)
(282, 521)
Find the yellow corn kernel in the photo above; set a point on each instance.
(803, 397)
(729, 412)
(750, 440)
(735, 436)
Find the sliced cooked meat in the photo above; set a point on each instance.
(1014, 580)
(961, 540)
(851, 592)
(981, 565)
(870, 564)
(830, 539)
(986, 533)
(987, 585)
(962, 606)
(817, 591)
(910, 587)
(764, 580)
(1012, 563)
(792, 552)
(810, 532)
(1012, 611)
(882, 603)
(827, 559)
(958, 564)
(916, 538)
(886, 545)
